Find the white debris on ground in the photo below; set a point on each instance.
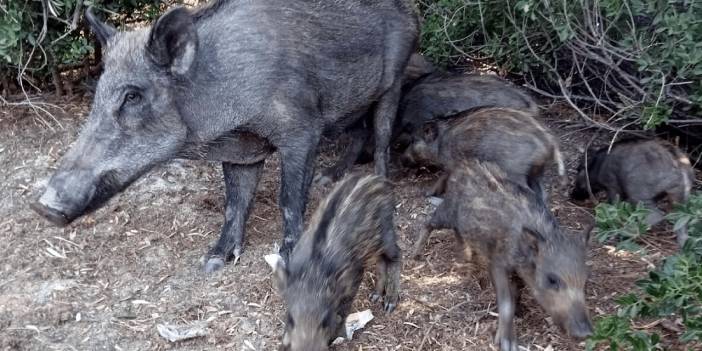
(175, 333)
(354, 321)
(273, 260)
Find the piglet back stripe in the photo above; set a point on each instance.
(330, 207)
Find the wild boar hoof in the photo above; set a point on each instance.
(237, 254)
(214, 264)
(507, 344)
(322, 180)
(374, 297)
(389, 307)
(417, 254)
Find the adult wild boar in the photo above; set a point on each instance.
(233, 81)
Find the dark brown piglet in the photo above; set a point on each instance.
(510, 229)
(514, 139)
(352, 229)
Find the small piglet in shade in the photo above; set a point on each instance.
(637, 170)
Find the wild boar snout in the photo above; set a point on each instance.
(66, 196)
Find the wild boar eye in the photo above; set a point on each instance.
(553, 282)
(326, 320)
(132, 97)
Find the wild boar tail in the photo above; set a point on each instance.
(560, 166)
(532, 106)
(683, 165)
(687, 176)
(558, 158)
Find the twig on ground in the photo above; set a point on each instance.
(436, 321)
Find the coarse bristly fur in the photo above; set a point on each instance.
(514, 139)
(234, 81)
(638, 171)
(352, 229)
(428, 95)
(510, 228)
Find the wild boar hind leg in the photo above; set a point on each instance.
(240, 183)
(441, 219)
(439, 186)
(382, 124)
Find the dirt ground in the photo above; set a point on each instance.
(107, 281)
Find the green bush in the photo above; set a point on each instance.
(674, 289)
(621, 222)
(616, 332)
(638, 61)
(31, 51)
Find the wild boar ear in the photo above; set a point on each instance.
(173, 41)
(102, 30)
(591, 152)
(417, 67)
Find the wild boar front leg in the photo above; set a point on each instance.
(389, 267)
(297, 170)
(240, 183)
(505, 338)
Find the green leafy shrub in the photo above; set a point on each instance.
(616, 332)
(638, 61)
(689, 213)
(41, 38)
(622, 223)
(674, 289)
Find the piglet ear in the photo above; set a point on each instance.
(530, 242)
(173, 41)
(430, 131)
(102, 30)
